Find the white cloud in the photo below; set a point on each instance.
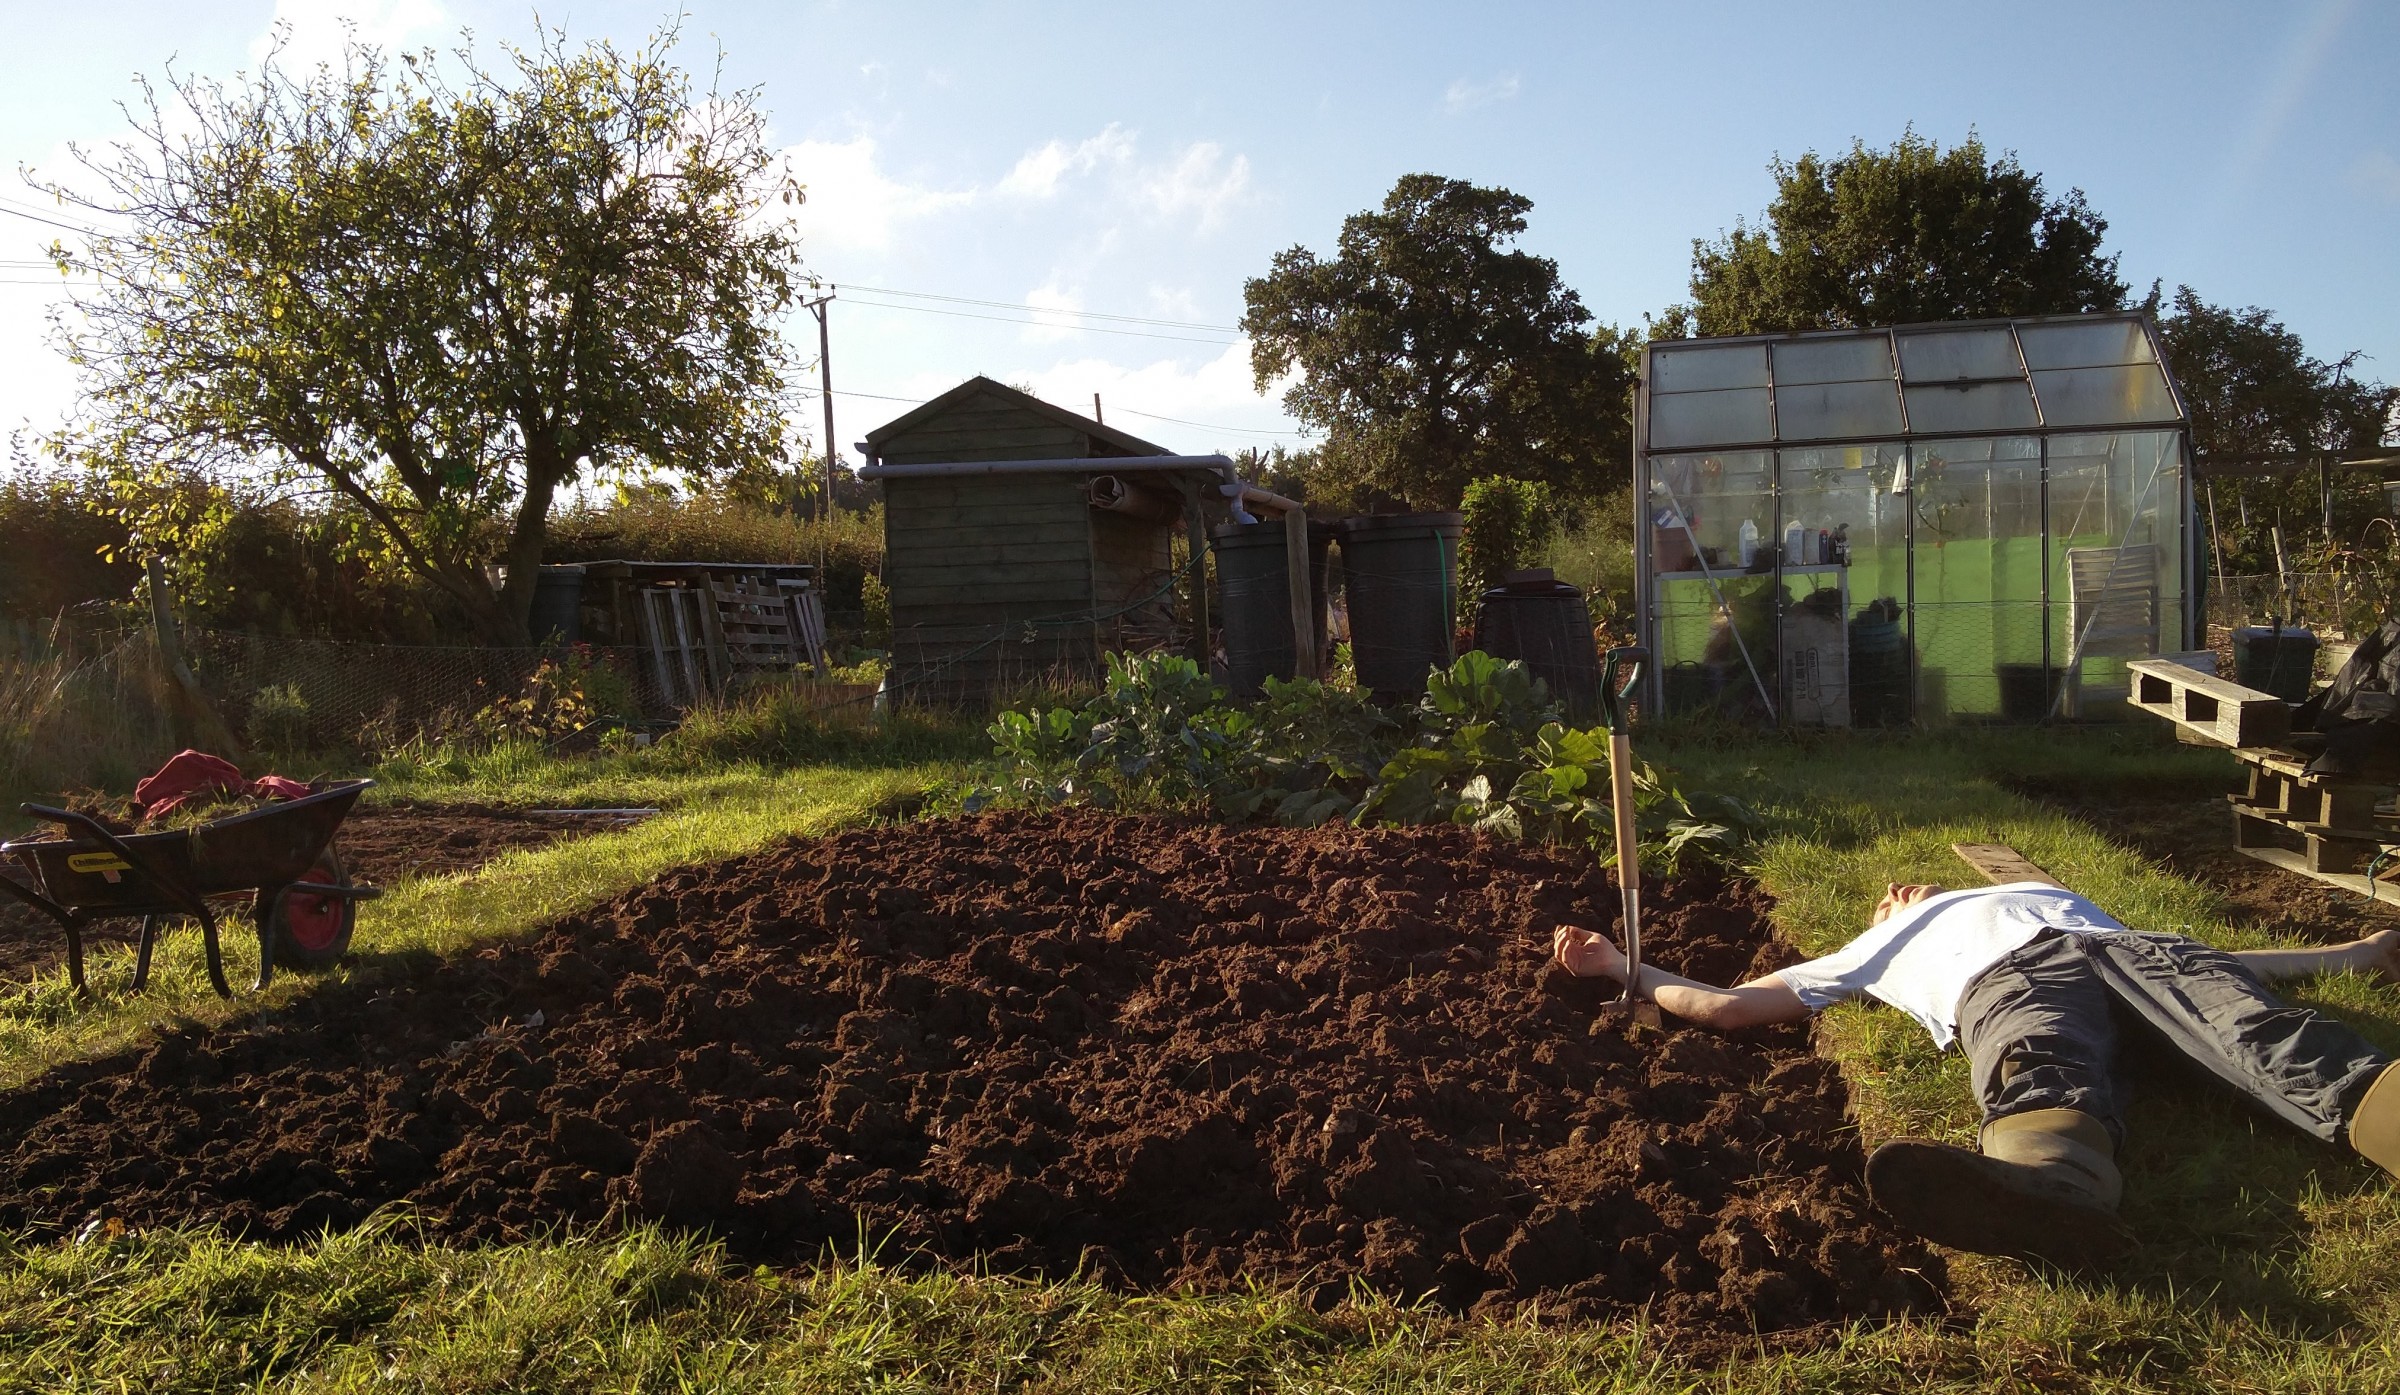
(2378, 174)
(1466, 95)
(852, 204)
(1039, 173)
(314, 31)
(1217, 392)
(1056, 313)
(1201, 185)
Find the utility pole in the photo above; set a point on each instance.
(817, 307)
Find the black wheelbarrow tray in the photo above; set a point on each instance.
(305, 905)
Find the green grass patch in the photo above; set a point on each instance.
(44, 1023)
(2271, 1262)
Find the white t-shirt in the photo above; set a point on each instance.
(1922, 957)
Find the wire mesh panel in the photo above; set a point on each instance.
(1976, 512)
(388, 693)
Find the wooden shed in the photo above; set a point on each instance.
(1022, 539)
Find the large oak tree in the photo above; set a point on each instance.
(1431, 353)
(442, 292)
(1907, 235)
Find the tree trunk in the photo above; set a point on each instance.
(512, 621)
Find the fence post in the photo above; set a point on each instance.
(197, 720)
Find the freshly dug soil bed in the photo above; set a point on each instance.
(1168, 1053)
(379, 845)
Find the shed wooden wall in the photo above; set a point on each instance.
(969, 557)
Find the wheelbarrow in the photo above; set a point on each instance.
(305, 905)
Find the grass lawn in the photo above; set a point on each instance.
(2271, 1263)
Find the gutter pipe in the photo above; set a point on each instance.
(1080, 464)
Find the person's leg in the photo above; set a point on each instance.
(2303, 1067)
(2039, 1037)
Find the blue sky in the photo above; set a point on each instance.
(1142, 160)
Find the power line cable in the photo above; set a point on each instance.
(1043, 309)
(1039, 324)
(53, 222)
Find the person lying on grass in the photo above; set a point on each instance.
(2032, 981)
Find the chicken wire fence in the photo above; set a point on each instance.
(2319, 600)
(340, 692)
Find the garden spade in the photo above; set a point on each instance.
(1618, 675)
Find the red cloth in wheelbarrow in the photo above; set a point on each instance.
(188, 773)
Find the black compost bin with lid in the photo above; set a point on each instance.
(1543, 621)
(1254, 599)
(1401, 571)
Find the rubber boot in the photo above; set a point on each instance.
(2044, 1187)
(2375, 1123)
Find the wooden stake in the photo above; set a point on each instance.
(1304, 614)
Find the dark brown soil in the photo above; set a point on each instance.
(379, 844)
(1166, 1053)
(2189, 831)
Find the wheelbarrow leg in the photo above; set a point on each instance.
(216, 955)
(74, 929)
(141, 954)
(266, 937)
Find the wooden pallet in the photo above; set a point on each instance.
(2209, 707)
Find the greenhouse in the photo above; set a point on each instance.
(1933, 523)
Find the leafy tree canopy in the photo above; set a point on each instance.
(2255, 394)
(443, 293)
(1430, 353)
(1902, 236)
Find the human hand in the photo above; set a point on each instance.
(1586, 953)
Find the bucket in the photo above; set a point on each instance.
(2275, 659)
(2027, 691)
(1402, 575)
(1878, 669)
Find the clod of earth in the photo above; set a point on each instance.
(1164, 1053)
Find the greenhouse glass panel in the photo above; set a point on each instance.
(1706, 370)
(1735, 416)
(1841, 647)
(1977, 518)
(1817, 411)
(1845, 360)
(1715, 656)
(1975, 407)
(2104, 396)
(2085, 345)
(2116, 573)
(1947, 355)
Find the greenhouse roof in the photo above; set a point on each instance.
(2078, 372)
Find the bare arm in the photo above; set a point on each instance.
(2377, 954)
(1758, 1003)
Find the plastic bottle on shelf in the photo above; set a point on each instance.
(1796, 539)
(1749, 544)
(1824, 546)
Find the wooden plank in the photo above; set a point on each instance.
(2225, 713)
(2001, 863)
(984, 554)
(901, 524)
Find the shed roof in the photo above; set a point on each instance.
(1101, 432)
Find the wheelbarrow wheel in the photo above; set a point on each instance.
(312, 932)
